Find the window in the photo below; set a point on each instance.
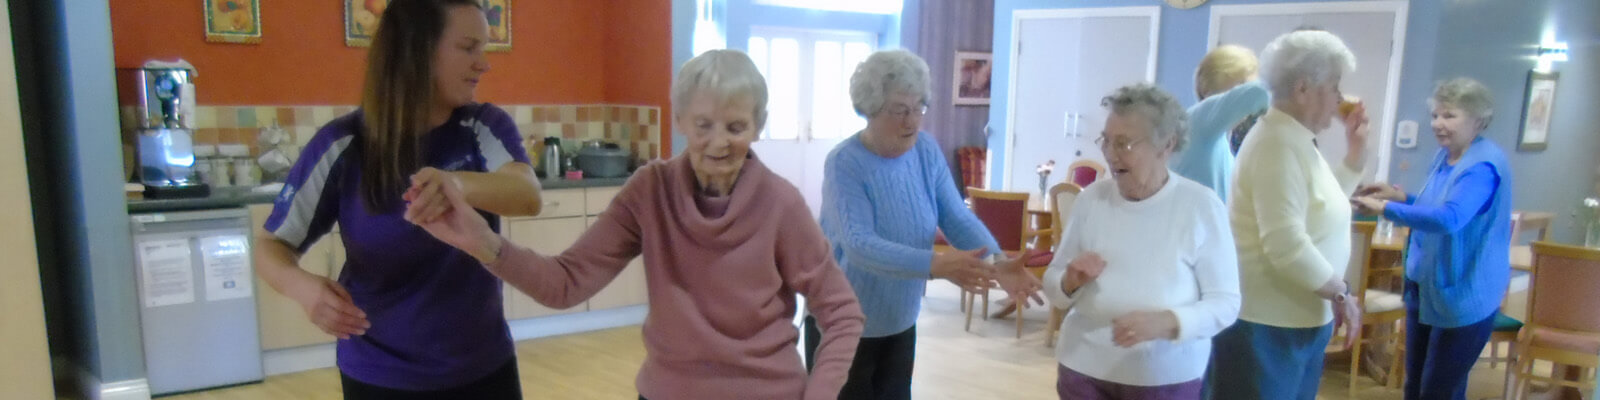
(887, 7)
(808, 81)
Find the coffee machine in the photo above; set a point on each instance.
(162, 95)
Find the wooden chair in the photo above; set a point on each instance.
(1085, 171)
(1062, 197)
(1378, 306)
(1562, 326)
(1506, 328)
(1005, 214)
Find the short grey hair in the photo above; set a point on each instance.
(1467, 94)
(1169, 123)
(886, 72)
(1313, 56)
(729, 75)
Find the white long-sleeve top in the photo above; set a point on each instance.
(1172, 251)
(1291, 221)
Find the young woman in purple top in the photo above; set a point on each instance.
(415, 317)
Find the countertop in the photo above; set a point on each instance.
(226, 197)
(238, 197)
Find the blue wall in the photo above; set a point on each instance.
(1182, 43)
(1493, 41)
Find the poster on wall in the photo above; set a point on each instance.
(361, 22)
(233, 21)
(1539, 104)
(972, 71)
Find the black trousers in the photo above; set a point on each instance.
(503, 383)
(882, 368)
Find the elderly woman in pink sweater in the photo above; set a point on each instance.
(726, 242)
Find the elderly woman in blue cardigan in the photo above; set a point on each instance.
(1457, 264)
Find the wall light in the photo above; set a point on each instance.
(1549, 53)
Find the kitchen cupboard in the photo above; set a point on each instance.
(283, 323)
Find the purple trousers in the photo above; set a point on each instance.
(1071, 385)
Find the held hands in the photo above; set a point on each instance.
(1382, 191)
(436, 203)
(1368, 205)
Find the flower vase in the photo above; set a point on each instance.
(1591, 237)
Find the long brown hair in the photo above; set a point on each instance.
(398, 96)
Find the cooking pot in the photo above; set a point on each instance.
(599, 159)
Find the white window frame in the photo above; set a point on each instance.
(807, 39)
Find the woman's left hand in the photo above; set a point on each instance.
(1020, 284)
(1142, 326)
(1368, 206)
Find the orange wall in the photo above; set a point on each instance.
(639, 71)
(557, 54)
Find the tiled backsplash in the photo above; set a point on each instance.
(636, 128)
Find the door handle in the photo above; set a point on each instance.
(1076, 118)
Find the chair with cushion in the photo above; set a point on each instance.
(1005, 214)
(1062, 197)
(1379, 307)
(1562, 326)
(970, 162)
(1085, 171)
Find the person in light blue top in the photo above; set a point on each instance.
(886, 190)
(1230, 98)
(1457, 263)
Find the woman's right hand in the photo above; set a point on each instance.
(964, 269)
(327, 305)
(1084, 269)
(1382, 191)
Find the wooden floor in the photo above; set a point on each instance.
(987, 363)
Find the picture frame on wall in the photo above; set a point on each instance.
(1537, 109)
(361, 22)
(498, 13)
(972, 84)
(233, 21)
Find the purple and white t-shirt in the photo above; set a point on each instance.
(436, 314)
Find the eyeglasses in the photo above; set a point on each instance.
(903, 112)
(1122, 146)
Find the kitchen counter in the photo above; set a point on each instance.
(226, 197)
(582, 183)
(237, 197)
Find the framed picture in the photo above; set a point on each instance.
(361, 22)
(498, 12)
(1539, 104)
(233, 21)
(972, 71)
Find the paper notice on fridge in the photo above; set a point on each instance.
(227, 267)
(167, 271)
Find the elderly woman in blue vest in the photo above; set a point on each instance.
(1457, 266)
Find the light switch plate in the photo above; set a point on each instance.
(1405, 136)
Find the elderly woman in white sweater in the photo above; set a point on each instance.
(1290, 212)
(1146, 263)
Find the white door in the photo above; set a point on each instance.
(1066, 61)
(808, 92)
(1374, 32)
